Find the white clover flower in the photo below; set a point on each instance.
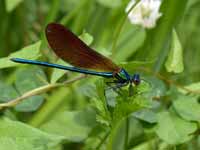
(145, 13)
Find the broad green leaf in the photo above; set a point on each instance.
(12, 4)
(87, 89)
(174, 61)
(58, 73)
(174, 130)
(29, 52)
(188, 107)
(86, 37)
(158, 87)
(28, 79)
(19, 136)
(75, 126)
(193, 87)
(146, 115)
(7, 92)
(110, 3)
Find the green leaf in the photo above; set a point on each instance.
(149, 145)
(75, 126)
(174, 61)
(12, 4)
(187, 107)
(29, 52)
(158, 87)
(58, 73)
(7, 92)
(143, 87)
(128, 105)
(110, 3)
(193, 87)
(146, 115)
(87, 89)
(86, 37)
(28, 79)
(100, 103)
(103, 116)
(18, 136)
(174, 130)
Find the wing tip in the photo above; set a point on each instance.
(52, 27)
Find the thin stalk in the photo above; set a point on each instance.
(37, 91)
(54, 9)
(119, 29)
(102, 141)
(168, 81)
(126, 133)
(65, 20)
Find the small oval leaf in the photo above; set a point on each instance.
(174, 130)
(174, 61)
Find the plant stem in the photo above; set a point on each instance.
(126, 133)
(119, 29)
(102, 141)
(37, 91)
(54, 9)
(65, 20)
(168, 81)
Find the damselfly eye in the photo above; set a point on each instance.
(136, 79)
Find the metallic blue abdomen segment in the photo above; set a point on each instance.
(74, 69)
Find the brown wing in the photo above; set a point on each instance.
(70, 48)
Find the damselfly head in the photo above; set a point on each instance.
(136, 79)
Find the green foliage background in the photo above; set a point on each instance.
(63, 114)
